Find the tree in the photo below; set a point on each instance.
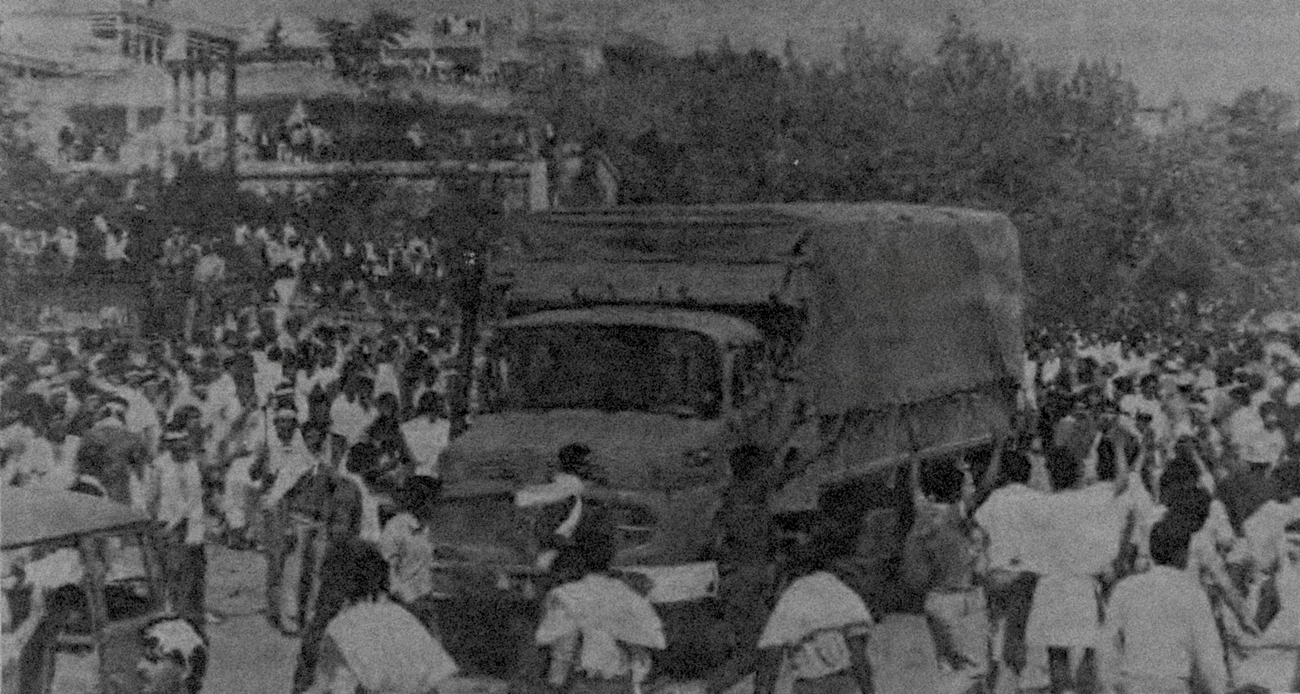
(358, 49)
(357, 52)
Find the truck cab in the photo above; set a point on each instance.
(850, 339)
(660, 395)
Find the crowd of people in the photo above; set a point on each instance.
(229, 278)
(80, 143)
(1139, 533)
(1147, 532)
(288, 443)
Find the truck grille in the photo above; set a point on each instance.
(483, 529)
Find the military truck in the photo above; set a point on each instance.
(858, 338)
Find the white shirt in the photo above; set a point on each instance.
(267, 376)
(180, 495)
(141, 415)
(1004, 517)
(349, 419)
(1253, 442)
(221, 407)
(1164, 620)
(386, 380)
(409, 552)
(1265, 529)
(43, 468)
(427, 439)
(388, 650)
(288, 462)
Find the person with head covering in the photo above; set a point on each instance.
(179, 507)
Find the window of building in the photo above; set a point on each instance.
(200, 45)
(103, 25)
(473, 26)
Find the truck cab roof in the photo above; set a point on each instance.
(722, 328)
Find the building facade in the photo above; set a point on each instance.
(117, 85)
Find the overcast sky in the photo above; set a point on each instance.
(1205, 50)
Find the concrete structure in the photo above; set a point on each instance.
(116, 85)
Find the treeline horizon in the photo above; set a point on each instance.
(1116, 223)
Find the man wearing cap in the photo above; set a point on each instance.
(285, 537)
(180, 509)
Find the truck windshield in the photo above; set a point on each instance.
(607, 367)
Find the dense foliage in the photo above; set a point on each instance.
(1115, 218)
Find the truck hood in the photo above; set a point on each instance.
(634, 450)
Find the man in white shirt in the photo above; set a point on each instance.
(288, 461)
(1005, 519)
(1256, 436)
(140, 416)
(1159, 631)
(428, 435)
(180, 510)
(350, 413)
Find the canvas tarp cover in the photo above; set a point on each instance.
(718, 256)
(904, 303)
(910, 303)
